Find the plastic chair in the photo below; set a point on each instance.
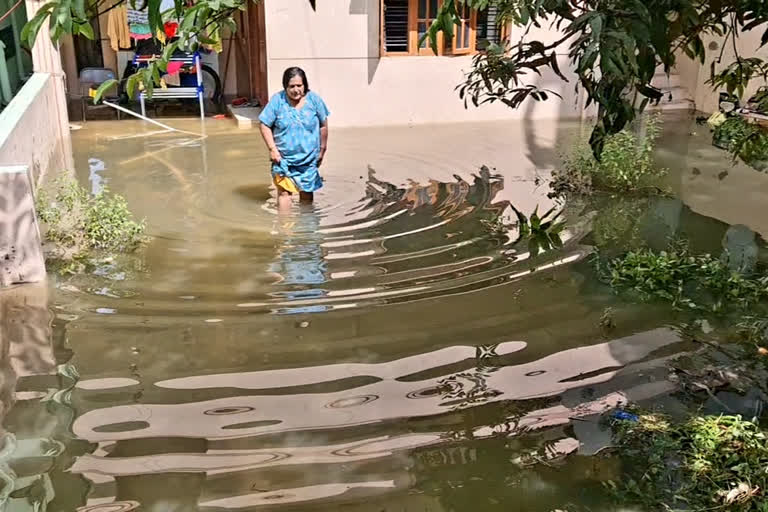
(94, 77)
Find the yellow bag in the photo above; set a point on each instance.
(716, 119)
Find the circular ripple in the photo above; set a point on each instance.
(223, 411)
(354, 401)
(116, 506)
(433, 391)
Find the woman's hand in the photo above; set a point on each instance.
(275, 156)
(321, 157)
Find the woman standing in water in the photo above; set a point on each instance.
(294, 125)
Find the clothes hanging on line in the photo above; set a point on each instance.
(137, 16)
(118, 31)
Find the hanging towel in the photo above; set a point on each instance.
(215, 36)
(173, 67)
(117, 29)
(174, 79)
(137, 16)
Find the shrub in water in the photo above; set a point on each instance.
(706, 463)
(688, 281)
(77, 223)
(626, 164)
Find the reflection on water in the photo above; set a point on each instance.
(380, 349)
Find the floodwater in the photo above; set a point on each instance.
(379, 350)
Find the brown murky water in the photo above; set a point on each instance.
(378, 350)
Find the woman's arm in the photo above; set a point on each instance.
(269, 140)
(323, 141)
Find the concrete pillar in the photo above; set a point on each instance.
(21, 254)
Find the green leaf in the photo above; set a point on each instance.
(86, 30)
(130, 85)
(104, 87)
(32, 28)
(79, 8)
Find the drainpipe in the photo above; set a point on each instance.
(5, 83)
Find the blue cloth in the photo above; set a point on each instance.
(297, 137)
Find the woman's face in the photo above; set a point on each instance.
(295, 88)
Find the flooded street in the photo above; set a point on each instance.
(380, 350)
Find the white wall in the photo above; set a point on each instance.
(695, 75)
(338, 47)
(29, 133)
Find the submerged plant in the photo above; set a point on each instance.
(705, 463)
(626, 164)
(78, 224)
(688, 281)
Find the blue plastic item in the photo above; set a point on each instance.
(625, 416)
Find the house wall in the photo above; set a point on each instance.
(338, 46)
(695, 75)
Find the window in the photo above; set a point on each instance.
(405, 22)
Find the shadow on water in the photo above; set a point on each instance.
(398, 345)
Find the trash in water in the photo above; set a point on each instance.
(624, 416)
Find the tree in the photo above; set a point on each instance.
(615, 47)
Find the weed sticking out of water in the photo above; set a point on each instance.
(78, 225)
(705, 463)
(626, 164)
(688, 281)
(540, 233)
(754, 329)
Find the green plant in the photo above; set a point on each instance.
(732, 132)
(542, 233)
(742, 139)
(699, 282)
(77, 224)
(753, 329)
(626, 164)
(705, 463)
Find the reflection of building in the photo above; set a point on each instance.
(244, 450)
(37, 447)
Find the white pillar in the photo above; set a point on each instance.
(21, 253)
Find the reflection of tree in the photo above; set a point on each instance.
(470, 388)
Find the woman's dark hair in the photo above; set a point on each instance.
(293, 72)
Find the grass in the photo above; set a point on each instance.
(705, 463)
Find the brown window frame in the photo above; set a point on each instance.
(413, 34)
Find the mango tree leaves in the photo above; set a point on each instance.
(615, 49)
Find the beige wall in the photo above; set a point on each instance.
(338, 46)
